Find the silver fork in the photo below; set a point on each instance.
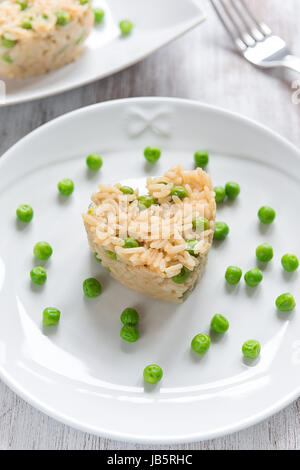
(253, 38)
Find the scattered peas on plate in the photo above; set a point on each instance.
(232, 190)
(200, 343)
(38, 275)
(220, 194)
(264, 252)
(233, 275)
(253, 277)
(201, 158)
(219, 324)
(285, 302)
(94, 161)
(289, 262)
(42, 250)
(251, 348)
(152, 154)
(98, 15)
(65, 186)
(129, 316)
(126, 27)
(266, 214)
(221, 231)
(129, 333)
(51, 316)
(24, 213)
(91, 287)
(152, 374)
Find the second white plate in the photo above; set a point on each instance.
(157, 22)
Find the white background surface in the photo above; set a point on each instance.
(199, 66)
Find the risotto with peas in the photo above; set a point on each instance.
(37, 36)
(156, 244)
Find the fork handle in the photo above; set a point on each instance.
(292, 62)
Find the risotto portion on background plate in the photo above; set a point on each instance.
(156, 244)
(41, 35)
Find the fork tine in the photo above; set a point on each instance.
(262, 27)
(222, 13)
(251, 30)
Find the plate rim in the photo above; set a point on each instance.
(194, 22)
(115, 435)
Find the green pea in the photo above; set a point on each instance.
(111, 254)
(190, 245)
(219, 324)
(42, 250)
(221, 230)
(266, 214)
(146, 201)
(152, 154)
(94, 161)
(232, 190)
(6, 57)
(289, 262)
(182, 277)
(201, 224)
(201, 158)
(51, 316)
(126, 190)
(126, 27)
(285, 302)
(62, 17)
(264, 252)
(65, 187)
(220, 193)
(152, 374)
(179, 191)
(26, 23)
(38, 275)
(23, 4)
(129, 333)
(130, 243)
(251, 348)
(96, 258)
(200, 343)
(253, 277)
(8, 43)
(233, 275)
(98, 15)
(24, 213)
(91, 287)
(129, 316)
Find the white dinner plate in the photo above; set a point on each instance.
(157, 22)
(81, 372)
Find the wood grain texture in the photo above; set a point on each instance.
(200, 66)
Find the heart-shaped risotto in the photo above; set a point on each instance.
(156, 244)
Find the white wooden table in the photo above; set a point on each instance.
(200, 66)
